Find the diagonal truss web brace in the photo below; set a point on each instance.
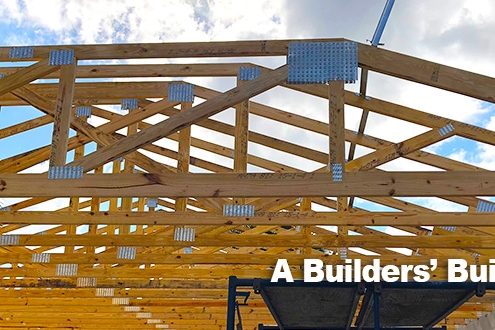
(102, 135)
(187, 118)
(26, 75)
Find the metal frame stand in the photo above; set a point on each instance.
(232, 304)
(371, 302)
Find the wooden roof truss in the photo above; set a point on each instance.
(110, 259)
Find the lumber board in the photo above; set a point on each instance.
(148, 70)
(62, 115)
(26, 75)
(420, 184)
(215, 259)
(296, 240)
(357, 218)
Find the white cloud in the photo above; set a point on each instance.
(436, 204)
(483, 154)
(145, 21)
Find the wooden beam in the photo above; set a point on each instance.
(113, 203)
(396, 150)
(96, 92)
(171, 50)
(336, 123)
(426, 72)
(95, 204)
(421, 118)
(241, 139)
(74, 203)
(115, 283)
(26, 75)
(420, 184)
(196, 273)
(305, 206)
(148, 70)
(185, 119)
(90, 293)
(357, 218)
(126, 203)
(336, 148)
(183, 156)
(241, 135)
(24, 126)
(217, 259)
(63, 114)
(296, 240)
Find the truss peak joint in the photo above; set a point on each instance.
(249, 73)
(21, 52)
(238, 210)
(65, 172)
(179, 91)
(322, 62)
(62, 57)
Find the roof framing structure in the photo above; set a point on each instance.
(113, 256)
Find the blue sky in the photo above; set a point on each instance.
(460, 35)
